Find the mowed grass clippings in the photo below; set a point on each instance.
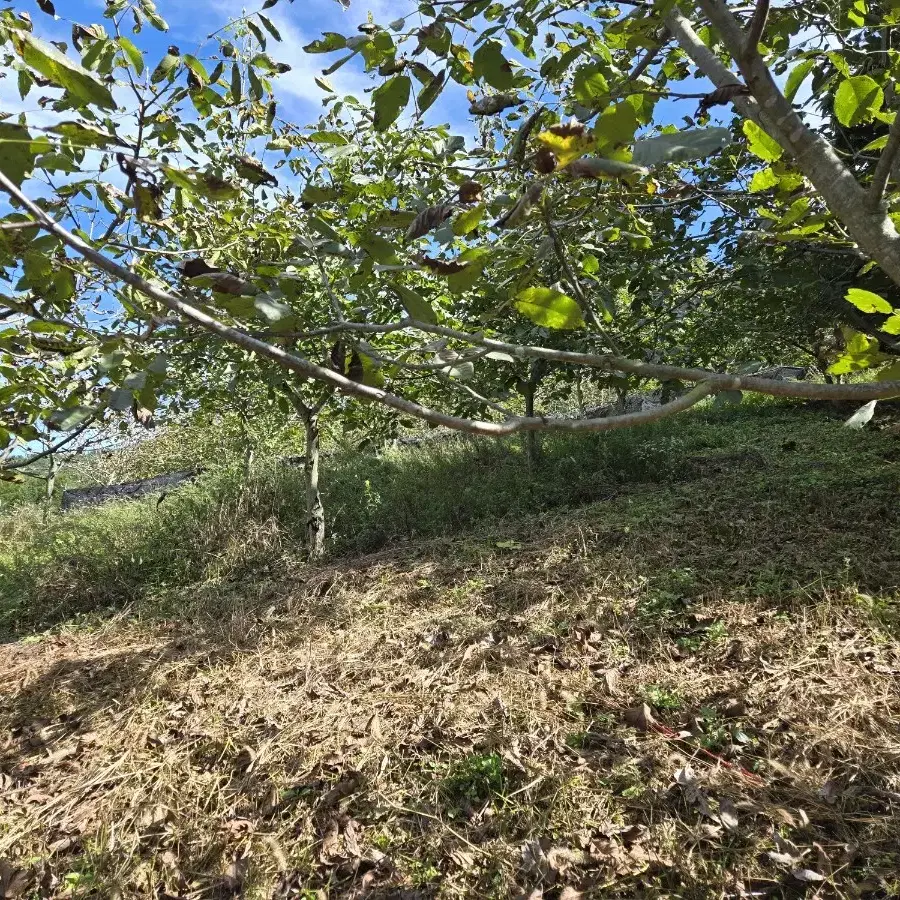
(680, 692)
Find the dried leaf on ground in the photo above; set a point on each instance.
(640, 717)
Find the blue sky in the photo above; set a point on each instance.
(299, 22)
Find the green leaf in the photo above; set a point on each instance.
(270, 309)
(857, 100)
(148, 7)
(416, 305)
(270, 27)
(25, 81)
(132, 54)
(236, 90)
(590, 85)
(329, 42)
(550, 308)
(763, 180)
(431, 91)
(797, 77)
(16, 155)
(867, 302)
(861, 353)
(760, 144)
(891, 325)
(257, 32)
(889, 373)
(83, 135)
(165, 67)
(680, 146)
(590, 265)
(336, 65)
(468, 220)
(38, 327)
(492, 66)
(390, 100)
(71, 417)
(256, 88)
(120, 399)
(878, 144)
(371, 371)
(196, 67)
(81, 84)
(380, 249)
(324, 229)
(616, 125)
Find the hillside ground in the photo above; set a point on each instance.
(663, 664)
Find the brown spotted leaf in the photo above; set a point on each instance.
(226, 283)
(470, 192)
(545, 161)
(516, 214)
(641, 717)
(572, 129)
(488, 106)
(254, 171)
(191, 268)
(441, 266)
(721, 96)
(597, 167)
(429, 219)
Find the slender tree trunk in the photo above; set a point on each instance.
(530, 437)
(579, 397)
(315, 511)
(53, 471)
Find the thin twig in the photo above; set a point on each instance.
(51, 450)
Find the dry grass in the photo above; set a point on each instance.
(465, 718)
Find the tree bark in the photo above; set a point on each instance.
(315, 511)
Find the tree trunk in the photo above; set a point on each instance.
(53, 471)
(871, 228)
(579, 397)
(315, 511)
(529, 437)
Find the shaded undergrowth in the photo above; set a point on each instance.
(777, 473)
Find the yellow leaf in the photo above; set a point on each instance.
(566, 148)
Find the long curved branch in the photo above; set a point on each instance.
(708, 382)
(304, 367)
(723, 381)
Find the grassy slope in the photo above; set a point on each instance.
(461, 714)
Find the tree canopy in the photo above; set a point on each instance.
(677, 192)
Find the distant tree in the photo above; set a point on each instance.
(397, 263)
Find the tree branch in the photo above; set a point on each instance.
(647, 60)
(51, 450)
(885, 165)
(709, 382)
(757, 27)
(327, 376)
(813, 154)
